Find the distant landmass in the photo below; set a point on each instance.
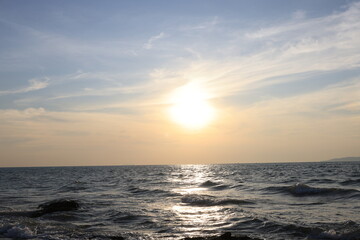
(344, 159)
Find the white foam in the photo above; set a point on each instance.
(18, 232)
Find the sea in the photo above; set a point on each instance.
(292, 201)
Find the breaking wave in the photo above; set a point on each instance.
(17, 231)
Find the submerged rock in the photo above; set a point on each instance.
(225, 236)
(56, 206)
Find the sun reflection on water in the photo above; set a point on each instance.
(196, 219)
(199, 218)
(190, 174)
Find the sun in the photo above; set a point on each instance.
(190, 107)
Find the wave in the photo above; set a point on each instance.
(141, 191)
(300, 189)
(75, 186)
(307, 204)
(208, 183)
(123, 217)
(351, 182)
(13, 213)
(348, 230)
(26, 230)
(314, 233)
(206, 201)
(334, 235)
(214, 186)
(321, 180)
(224, 236)
(219, 187)
(339, 231)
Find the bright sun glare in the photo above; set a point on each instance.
(190, 107)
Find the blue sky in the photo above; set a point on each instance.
(277, 71)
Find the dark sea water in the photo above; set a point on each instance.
(266, 201)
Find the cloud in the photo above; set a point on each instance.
(34, 85)
(299, 14)
(331, 101)
(29, 115)
(77, 51)
(277, 54)
(323, 26)
(34, 112)
(317, 45)
(149, 44)
(207, 25)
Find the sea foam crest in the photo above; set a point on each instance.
(17, 231)
(337, 235)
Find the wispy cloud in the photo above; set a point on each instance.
(330, 43)
(332, 101)
(73, 50)
(206, 25)
(150, 43)
(299, 14)
(302, 45)
(316, 27)
(34, 84)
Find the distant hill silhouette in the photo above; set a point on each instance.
(344, 159)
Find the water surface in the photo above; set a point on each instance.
(267, 201)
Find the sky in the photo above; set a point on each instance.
(178, 82)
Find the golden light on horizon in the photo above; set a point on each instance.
(191, 108)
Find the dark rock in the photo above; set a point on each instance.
(117, 238)
(225, 236)
(107, 237)
(56, 206)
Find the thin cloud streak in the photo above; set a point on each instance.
(150, 43)
(331, 43)
(206, 26)
(34, 85)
